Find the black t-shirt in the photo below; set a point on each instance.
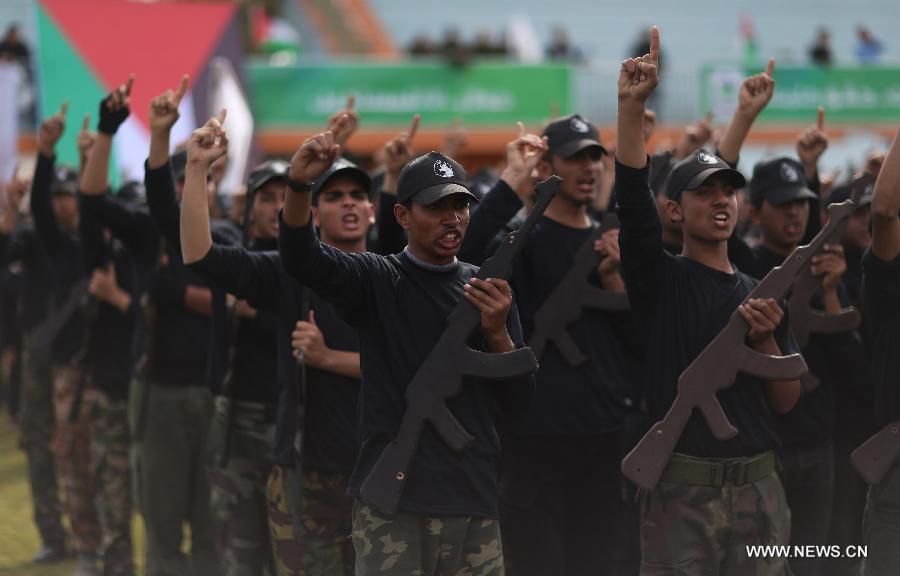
(331, 441)
(681, 306)
(881, 301)
(589, 399)
(399, 309)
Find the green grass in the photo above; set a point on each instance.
(19, 539)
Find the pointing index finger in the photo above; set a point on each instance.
(85, 125)
(129, 84)
(521, 129)
(820, 118)
(351, 101)
(770, 67)
(654, 45)
(221, 116)
(182, 89)
(64, 108)
(413, 128)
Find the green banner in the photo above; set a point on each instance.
(389, 94)
(864, 94)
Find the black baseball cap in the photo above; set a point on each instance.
(570, 135)
(863, 187)
(431, 177)
(342, 167)
(132, 192)
(779, 181)
(691, 172)
(269, 170)
(65, 181)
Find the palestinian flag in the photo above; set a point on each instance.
(87, 48)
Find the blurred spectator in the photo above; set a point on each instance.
(820, 52)
(560, 48)
(12, 44)
(453, 50)
(485, 46)
(421, 45)
(868, 48)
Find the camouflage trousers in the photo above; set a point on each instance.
(881, 526)
(689, 530)
(71, 446)
(405, 544)
(37, 424)
(238, 496)
(172, 479)
(321, 546)
(110, 443)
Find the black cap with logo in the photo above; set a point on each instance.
(269, 170)
(342, 167)
(431, 177)
(65, 181)
(691, 172)
(570, 135)
(779, 181)
(862, 187)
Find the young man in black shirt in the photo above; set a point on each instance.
(881, 302)
(328, 433)
(447, 521)
(682, 302)
(173, 469)
(561, 479)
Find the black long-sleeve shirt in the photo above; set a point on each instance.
(881, 302)
(22, 246)
(400, 311)
(681, 306)
(590, 399)
(179, 346)
(65, 256)
(330, 430)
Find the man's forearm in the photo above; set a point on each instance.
(733, 139)
(343, 363)
(630, 149)
(780, 395)
(196, 237)
(296, 208)
(886, 205)
(159, 148)
(198, 300)
(498, 343)
(94, 181)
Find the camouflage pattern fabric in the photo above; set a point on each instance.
(71, 446)
(238, 497)
(704, 530)
(405, 544)
(110, 443)
(37, 424)
(323, 546)
(881, 526)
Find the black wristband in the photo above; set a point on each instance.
(298, 186)
(110, 121)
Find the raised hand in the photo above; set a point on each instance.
(812, 143)
(51, 131)
(493, 298)
(756, 91)
(209, 142)
(763, 315)
(85, 138)
(164, 108)
(608, 246)
(522, 156)
(638, 77)
(346, 129)
(830, 265)
(316, 155)
(308, 343)
(114, 109)
(398, 151)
